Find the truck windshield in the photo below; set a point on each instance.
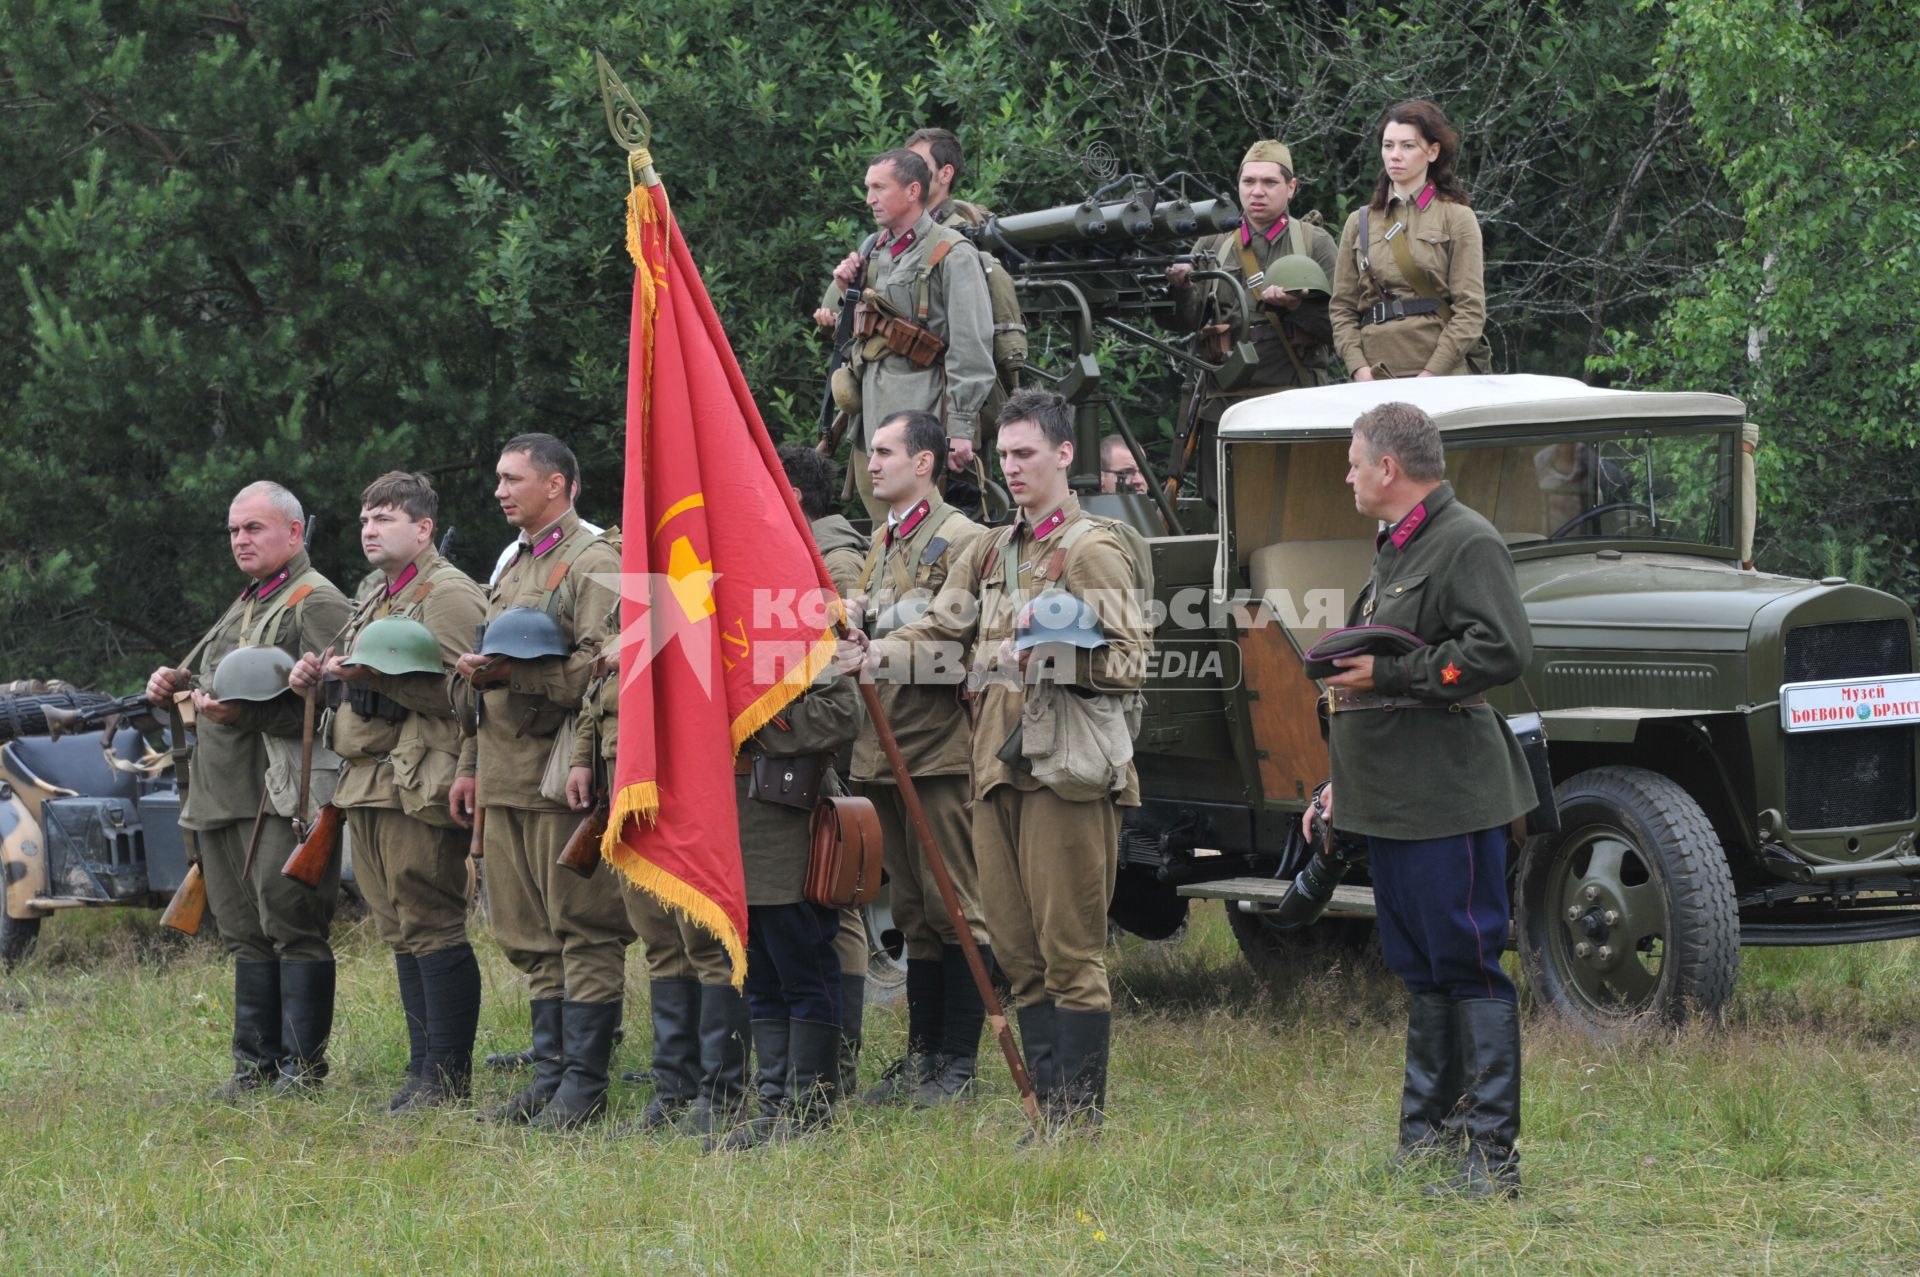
(1607, 487)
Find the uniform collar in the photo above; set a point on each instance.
(909, 523)
(1420, 201)
(1409, 525)
(274, 584)
(898, 244)
(550, 537)
(1045, 527)
(1271, 234)
(421, 565)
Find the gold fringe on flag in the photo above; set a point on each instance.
(675, 894)
(781, 694)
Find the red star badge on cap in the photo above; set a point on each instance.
(1451, 674)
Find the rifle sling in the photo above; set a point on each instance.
(1256, 276)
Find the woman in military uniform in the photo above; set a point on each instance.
(1409, 294)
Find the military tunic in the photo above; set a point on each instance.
(1444, 239)
(266, 916)
(408, 855)
(567, 933)
(1046, 864)
(908, 564)
(1287, 237)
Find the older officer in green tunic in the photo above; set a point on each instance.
(699, 1019)
(394, 730)
(1291, 330)
(1046, 863)
(909, 562)
(569, 934)
(924, 337)
(246, 760)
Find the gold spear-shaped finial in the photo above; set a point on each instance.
(628, 124)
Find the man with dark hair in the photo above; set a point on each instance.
(912, 555)
(1046, 862)
(395, 732)
(246, 776)
(923, 333)
(1437, 831)
(1119, 472)
(568, 934)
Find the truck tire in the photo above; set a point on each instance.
(1285, 957)
(1626, 915)
(16, 938)
(886, 963)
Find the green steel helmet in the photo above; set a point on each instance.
(524, 633)
(1295, 272)
(1055, 616)
(252, 674)
(395, 645)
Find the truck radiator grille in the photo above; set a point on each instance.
(1862, 776)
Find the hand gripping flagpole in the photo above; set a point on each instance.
(633, 132)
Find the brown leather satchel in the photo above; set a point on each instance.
(843, 862)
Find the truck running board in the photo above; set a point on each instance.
(1258, 895)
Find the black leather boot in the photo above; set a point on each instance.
(256, 1029)
(306, 1022)
(772, 1040)
(815, 1051)
(677, 1006)
(413, 1007)
(962, 1014)
(450, 979)
(586, 1031)
(1430, 1101)
(549, 1063)
(1039, 1024)
(721, 1099)
(853, 1015)
(508, 1061)
(1489, 1032)
(1084, 1038)
(926, 1026)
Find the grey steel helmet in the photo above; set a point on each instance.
(396, 645)
(251, 674)
(524, 633)
(1297, 272)
(1055, 616)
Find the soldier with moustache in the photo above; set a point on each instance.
(245, 771)
(400, 747)
(909, 562)
(567, 933)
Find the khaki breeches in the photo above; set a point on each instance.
(1047, 868)
(414, 876)
(267, 917)
(569, 934)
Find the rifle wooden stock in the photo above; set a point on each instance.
(582, 852)
(477, 848)
(188, 907)
(309, 861)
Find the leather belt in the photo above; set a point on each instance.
(1339, 699)
(1397, 308)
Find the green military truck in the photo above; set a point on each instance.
(1733, 751)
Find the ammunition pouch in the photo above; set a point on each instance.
(788, 782)
(900, 336)
(333, 692)
(845, 384)
(368, 703)
(1215, 341)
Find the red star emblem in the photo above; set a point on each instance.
(1451, 674)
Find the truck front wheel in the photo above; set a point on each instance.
(1627, 913)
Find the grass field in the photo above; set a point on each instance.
(1247, 1128)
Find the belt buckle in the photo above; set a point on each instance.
(1377, 313)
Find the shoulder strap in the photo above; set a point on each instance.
(1255, 277)
(302, 586)
(1296, 238)
(874, 554)
(558, 575)
(1363, 242)
(1416, 278)
(923, 286)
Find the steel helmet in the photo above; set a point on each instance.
(1296, 272)
(1055, 616)
(251, 674)
(396, 645)
(524, 633)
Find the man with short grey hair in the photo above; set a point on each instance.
(240, 807)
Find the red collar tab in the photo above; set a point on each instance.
(1424, 198)
(1049, 524)
(402, 581)
(272, 583)
(1410, 523)
(903, 242)
(1271, 234)
(548, 541)
(905, 527)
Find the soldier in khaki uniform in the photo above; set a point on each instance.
(569, 934)
(1291, 331)
(400, 746)
(699, 1019)
(928, 342)
(275, 928)
(910, 560)
(843, 550)
(1046, 864)
(1409, 294)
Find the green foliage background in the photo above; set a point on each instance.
(315, 241)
